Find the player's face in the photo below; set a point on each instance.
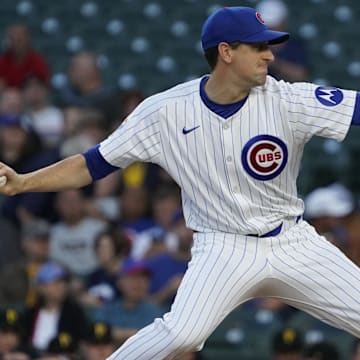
(250, 62)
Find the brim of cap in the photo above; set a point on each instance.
(269, 36)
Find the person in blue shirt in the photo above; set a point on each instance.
(134, 310)
(168, 268)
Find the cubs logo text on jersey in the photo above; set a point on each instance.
(264, 157)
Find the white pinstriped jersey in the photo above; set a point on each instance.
(237, 175)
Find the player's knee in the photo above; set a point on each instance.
(183, 340)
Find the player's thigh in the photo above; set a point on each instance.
(323, 280)
(220, 275)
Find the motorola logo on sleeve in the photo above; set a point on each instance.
(329, 96)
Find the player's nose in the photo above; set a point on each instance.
(268, 55)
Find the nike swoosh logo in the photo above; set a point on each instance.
(187, 131)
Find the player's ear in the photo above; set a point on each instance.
(225, 52)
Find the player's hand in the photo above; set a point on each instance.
(14, 181)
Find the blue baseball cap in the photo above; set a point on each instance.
(134, 267)
(10, 120)
(50, 272)
(238, 24)
(23, 121)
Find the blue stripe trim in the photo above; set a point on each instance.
(223, 110)
(356, 115)
(275, 231)
(97, 165)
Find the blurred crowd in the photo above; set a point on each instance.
(83, 270)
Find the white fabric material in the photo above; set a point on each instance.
(49, 124)
(45, 329)
(73, 246)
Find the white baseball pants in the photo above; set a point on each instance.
(298, 267)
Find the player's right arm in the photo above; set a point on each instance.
(69, 173)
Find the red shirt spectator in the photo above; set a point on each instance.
(20, 60)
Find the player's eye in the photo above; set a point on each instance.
(262, 46)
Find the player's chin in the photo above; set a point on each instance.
(261, 80)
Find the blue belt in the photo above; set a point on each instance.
(275, 231)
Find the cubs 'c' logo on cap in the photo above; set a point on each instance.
(264, 157)
(329, 96)
(260, 19)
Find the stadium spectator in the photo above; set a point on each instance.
(329, 210)
(46, 119)
(20, 60)
(92, 126)
(134, 310)
(111, 247)
(61, 347)
(167, 269)
(291, 58)
(21, 147)
(17, 279)
(11, 331)
(287, 344)
(86, 88)
(79, 123)
(11, 102)
(84, 128)
(135, 211)
(98, 343)
(72, 238)
(72, 118)
(164, 202)
(56, 311)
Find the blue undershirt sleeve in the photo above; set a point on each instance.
(356, 115)
(97, 165)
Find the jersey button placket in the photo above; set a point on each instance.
(229, 161)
